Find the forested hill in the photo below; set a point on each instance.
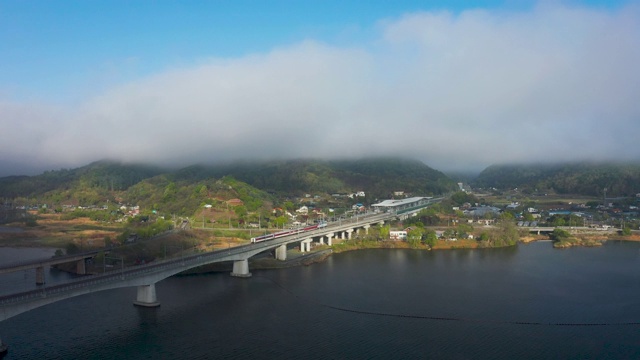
(103, 180)
(379, 177)
(574, 178)
(101, 176)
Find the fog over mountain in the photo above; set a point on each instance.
(455, 90)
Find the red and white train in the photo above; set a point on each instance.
(288, 232)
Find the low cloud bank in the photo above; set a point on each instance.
(456, 91)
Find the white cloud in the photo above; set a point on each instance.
(556, 83)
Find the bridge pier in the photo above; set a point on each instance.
(366, 229)
(342, 236)
(305, 245)
(40, 275)
(81, 268)
(241, 268)
(147, 296)
(281, 252)
(349, 232)
(329, 238)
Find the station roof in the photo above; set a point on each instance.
(395, 203)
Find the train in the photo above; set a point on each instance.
(299, 230)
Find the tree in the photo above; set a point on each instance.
(288, 205)
(280, 221)
(415, 237)
(384, 232)
(463, 230)
(169, 192)
(557, 221)
(504, 234)
(560, 234)
(240, 211)
(430, 238)
(448, 233)
(506, 215)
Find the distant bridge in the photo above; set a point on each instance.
(39, 264)
(539, 229)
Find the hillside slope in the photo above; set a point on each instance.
(574, 178)
(255, 183)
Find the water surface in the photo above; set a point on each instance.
(459, 304)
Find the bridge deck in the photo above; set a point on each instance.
(32, 264)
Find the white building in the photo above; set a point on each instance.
(402, 204)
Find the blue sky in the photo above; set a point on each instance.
(70, 67)
(58, 50)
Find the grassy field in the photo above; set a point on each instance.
(51, 231)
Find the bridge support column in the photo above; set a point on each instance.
(147, 296)
(366, 229)
(40, 275)
(321, 240)
(241, 268)
(349, 232)
(281, 252)
(81, 268)
(342, 236)
(305, 245)
(329, 238)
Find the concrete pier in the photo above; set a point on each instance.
(147, 296)
(329, 238)
(81, 268)
(305, 245)
(241, 268)
(281, 252)
(349, 232)
(366, 229)
(40, 275)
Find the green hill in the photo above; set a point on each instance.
(255, 183)
(376, 176)
(98, 178)
(573, 178)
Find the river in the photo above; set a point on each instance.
(524, 302)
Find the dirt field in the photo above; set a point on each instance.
(53, 232)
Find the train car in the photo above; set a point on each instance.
(288, 232)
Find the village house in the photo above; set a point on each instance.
(235, 202)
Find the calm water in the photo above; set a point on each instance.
(461, 304)
(26, 280)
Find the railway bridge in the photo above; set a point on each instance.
(144, 277)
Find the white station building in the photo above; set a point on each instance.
(401, 204)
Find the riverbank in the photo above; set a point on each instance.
(184, 243)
